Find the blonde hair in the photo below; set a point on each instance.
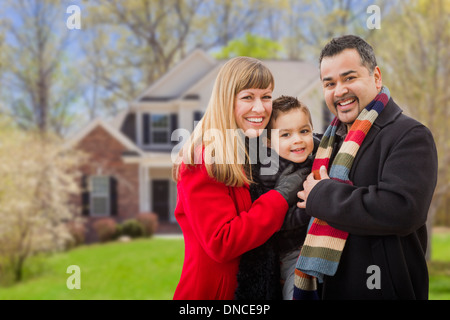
(237, 74)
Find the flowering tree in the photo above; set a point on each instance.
(37, 178)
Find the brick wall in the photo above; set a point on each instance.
(105, 158)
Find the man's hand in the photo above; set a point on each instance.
(309, 184)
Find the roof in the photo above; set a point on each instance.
(195, 75)
(179, 78)
(119, 136)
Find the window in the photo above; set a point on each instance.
(158, 128)
(100, 196)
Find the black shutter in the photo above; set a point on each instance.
(113, 195)
(173, 125)
(198, 115)
(85, 195)
(146, 128)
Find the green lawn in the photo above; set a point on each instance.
(150, 269)
(439, 267)
(141, 269)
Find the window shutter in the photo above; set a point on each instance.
(113, 195)
(146, 128)
(173, 126)
(85, 207)
(198, 115)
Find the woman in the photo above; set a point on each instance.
(214, 208)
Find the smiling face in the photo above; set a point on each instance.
(252, 110)
(295, 136)
(348, 85)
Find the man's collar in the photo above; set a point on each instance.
(341, 131)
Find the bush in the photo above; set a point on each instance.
(77, 230)
(149, 221)
(132, 228)
(106, 229)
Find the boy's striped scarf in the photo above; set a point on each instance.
(323, 245)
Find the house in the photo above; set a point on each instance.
(130, 167)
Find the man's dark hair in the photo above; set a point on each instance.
(339, 44)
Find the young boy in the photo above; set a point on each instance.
(290, 136)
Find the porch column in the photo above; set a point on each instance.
(144, 188)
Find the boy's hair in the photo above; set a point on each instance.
(285, 104)
(339, 44)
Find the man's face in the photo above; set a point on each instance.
(348, 86)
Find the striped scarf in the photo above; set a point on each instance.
(323, 245)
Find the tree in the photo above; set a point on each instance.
(130, 44)
(311, 24)
(38, 84)
(415, 61)
(218, 21)
(37, 178)
(135, 42)
(251, 46)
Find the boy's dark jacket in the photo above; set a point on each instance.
(259, 269)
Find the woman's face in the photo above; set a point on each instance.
(252, 110)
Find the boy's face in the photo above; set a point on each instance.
(294, 139)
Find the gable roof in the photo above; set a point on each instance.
(116, 134)
(292, 77)
(179, 78)
(194, 76)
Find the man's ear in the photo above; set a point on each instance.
(378, 78)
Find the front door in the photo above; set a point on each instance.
(160, 196)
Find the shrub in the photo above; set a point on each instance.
(77, 230)
(106, 229)
(149, 221)
(132, 228)
(39, 177)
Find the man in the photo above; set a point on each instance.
(384, 204)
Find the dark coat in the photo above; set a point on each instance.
(259, 269)
(394, 176)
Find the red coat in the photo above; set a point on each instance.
(219, 224)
